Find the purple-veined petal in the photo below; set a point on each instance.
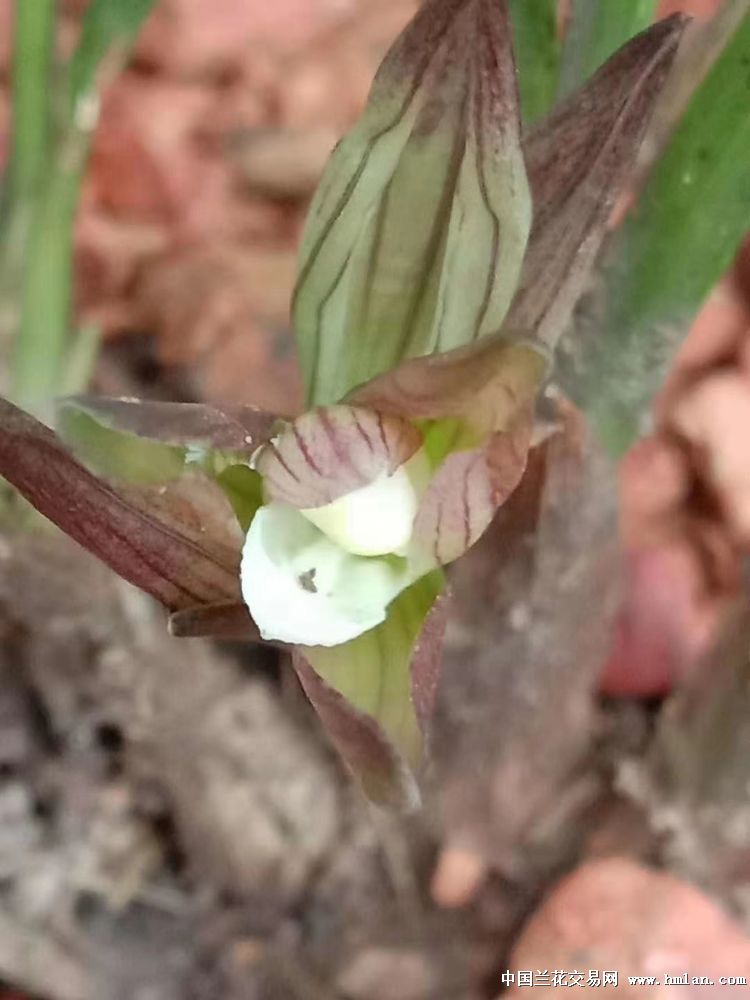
(467, 490)
(333, 450)
(489, 388)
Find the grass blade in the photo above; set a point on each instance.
(108, 30)
(32, 62)
(30, 140)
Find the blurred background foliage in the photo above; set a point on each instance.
(158, 164)
(55, 110)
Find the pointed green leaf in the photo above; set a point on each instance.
(415, 237)
(670, 251)
(384, 775)
(580, 160)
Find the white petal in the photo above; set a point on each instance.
(302, 588)
(378, 518)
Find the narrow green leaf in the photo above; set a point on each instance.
(671, 250)
(33, 46)
(81, 358)
(109, 28)
(537, 54)
(580, 160)
(596, 29)
(29, 155)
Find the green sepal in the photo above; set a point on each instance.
(117, 454)
(415, 238)
(244, 490)
(147, 443)
(373, 671)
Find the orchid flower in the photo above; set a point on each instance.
(443, 255)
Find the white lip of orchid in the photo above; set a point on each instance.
(303, 588)
(376, 519)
